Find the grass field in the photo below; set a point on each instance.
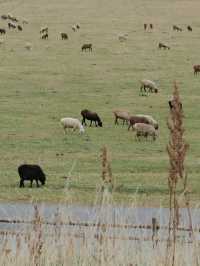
(55, 79)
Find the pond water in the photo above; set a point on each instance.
(92, 214)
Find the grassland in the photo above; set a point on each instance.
(55, 79)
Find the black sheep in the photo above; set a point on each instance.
(91, 116)
(31, 172)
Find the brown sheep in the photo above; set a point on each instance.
(196, 69)
(123, 115)
(136, 119)
(86, 46)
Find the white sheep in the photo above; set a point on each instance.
(145, 130)
(151, 85)
(74, 123)
(151, 120)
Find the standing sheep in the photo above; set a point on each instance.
(135, 119)
(144, 130)
(146, 83)
(123, 115)
(91, 116)
(64, 36)
(151, 120)
(74, 123)
(196, 69)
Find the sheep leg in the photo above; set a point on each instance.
(21, 183)
(90, 123)
(37, 182)
(116, 120)
(31, 183)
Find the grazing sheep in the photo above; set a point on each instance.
(137, 119)
(145, 130)
(151, 120)
(64, 36)
(44, 30)
(189, 28)
(86, 46)
(196, 69)
(91, 116)
(74, 123)
(145, 83)
(164, 46)
(145, 26)
(2, 31)
(28, 46)
(176, 28)
(31, 172)
(123, 115)
(11, 25)
(45, 36)
(19, 27)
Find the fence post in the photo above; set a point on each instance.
(155, 229)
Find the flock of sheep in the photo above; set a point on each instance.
(144, 125)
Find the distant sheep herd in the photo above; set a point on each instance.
(144, 126)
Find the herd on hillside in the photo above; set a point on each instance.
(145, 126)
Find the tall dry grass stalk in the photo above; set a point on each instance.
(107, 177)
(177, 179)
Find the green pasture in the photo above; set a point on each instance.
(55, 79)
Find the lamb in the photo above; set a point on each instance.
(123, 115)
(136, 119)
(144, 130)
(145, 83)
(151, 120)
(91, 116)
(74, 123)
